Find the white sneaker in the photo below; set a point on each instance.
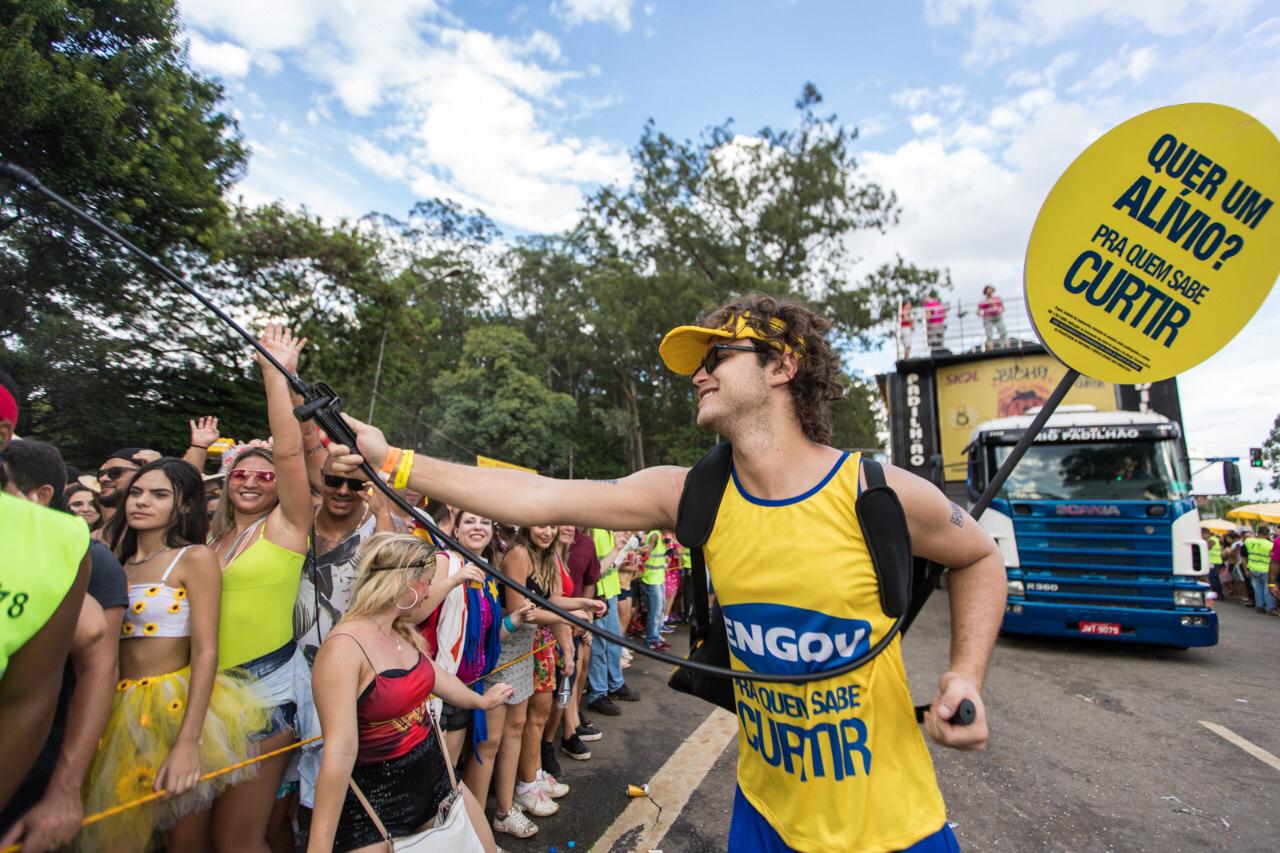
(626, 654)
(555, 790)
(514, 823)
(536, 802)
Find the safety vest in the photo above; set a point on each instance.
(42, 553)
(655, 567)
(1259, 551)
(608, 586)
(834, 764)
(1215, 551)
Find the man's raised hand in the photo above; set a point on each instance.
(371, 446)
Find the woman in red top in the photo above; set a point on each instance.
(372, 681)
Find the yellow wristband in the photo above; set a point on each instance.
(403, 471)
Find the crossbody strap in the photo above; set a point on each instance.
(373, 816)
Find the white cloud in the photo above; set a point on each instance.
(615, 12)
(924, 122)
(1129, 67)
(223, 59)
(446, 110)
(999, 30)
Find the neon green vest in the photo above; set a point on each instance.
(655, 568)
(608, 586)
(42, 553)
(1215, 551)
(1259, 551)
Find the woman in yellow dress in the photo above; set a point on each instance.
(175, 717)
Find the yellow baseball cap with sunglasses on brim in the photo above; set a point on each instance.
(684, 347)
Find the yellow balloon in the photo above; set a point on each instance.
(1157, 244)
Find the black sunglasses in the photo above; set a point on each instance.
(114, 472)
(333, 481)
(715, 354)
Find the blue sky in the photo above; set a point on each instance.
(968, 109)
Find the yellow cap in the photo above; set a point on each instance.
(683, 348)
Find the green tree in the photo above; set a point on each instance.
(702, 221)
(496, 402)
(100, 102)
(1271, 454)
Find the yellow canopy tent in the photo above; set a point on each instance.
(1218, 525)
(1257, 512)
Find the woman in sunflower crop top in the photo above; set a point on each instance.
(174, 716)
(260, 530)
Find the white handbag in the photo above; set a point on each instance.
(452, 830)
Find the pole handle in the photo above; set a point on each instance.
(964, 715)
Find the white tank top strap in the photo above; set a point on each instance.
(176, 557)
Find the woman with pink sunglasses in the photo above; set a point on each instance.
(260, 534)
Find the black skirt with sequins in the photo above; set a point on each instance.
(406, 792)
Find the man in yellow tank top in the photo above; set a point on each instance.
(837, 764)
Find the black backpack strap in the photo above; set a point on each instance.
(884, 529)
(700, 500)
(699, 503)
(906, 581)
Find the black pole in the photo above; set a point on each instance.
(1028, 436)
(322, 405)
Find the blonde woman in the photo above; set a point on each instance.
(372, 681)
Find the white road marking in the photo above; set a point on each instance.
(1249, 747)
(670, 787)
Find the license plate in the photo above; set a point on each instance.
(1110, 628)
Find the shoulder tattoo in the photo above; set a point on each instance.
(957, 515)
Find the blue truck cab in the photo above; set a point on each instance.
(1098, 530)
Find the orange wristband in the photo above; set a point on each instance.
(391, 461)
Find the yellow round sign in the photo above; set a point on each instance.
(1157, 244)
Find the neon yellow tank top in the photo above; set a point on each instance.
(42, 553)
(259, 589)
(838, 764)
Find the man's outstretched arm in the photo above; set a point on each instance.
(943, 532)
(646, 499)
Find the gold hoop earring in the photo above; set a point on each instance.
(416, 599)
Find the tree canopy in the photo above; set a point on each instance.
(540, 350)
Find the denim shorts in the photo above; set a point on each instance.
(272, 676)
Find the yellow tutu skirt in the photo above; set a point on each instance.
(145, 718)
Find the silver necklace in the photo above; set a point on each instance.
(396, 640)
(136, 562)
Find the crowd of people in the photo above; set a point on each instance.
(273, 655)
(272, 602)
(1245, 567)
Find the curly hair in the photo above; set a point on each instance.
(816, 384)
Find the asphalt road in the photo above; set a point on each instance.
(1094, 747)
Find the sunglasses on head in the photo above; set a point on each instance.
(717, 354)
(114, 472)
(241, 475)
(333, 481)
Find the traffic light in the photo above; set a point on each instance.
(1255, 457)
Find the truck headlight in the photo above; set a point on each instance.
(1188, 598)
(1015, 588)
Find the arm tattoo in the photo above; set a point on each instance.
(606, 482)
(957, 515)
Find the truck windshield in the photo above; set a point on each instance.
(1116, 470)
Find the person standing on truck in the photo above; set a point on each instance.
(935, 320)
(1257, 549)
(788, 560)
(991, 309)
